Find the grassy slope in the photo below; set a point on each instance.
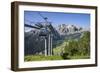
(57, 56)
(47, 58)
(41, 58)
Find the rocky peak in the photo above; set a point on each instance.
(65, 28)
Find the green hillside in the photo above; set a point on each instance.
(66, 50)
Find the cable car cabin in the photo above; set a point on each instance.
(44, 32)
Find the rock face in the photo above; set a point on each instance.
(35, 44)
(64, 29)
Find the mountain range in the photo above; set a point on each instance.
(34, 44)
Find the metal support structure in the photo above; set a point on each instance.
(45, 47)
(51, 46)
(48, 51)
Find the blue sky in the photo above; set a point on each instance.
(79, 19)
